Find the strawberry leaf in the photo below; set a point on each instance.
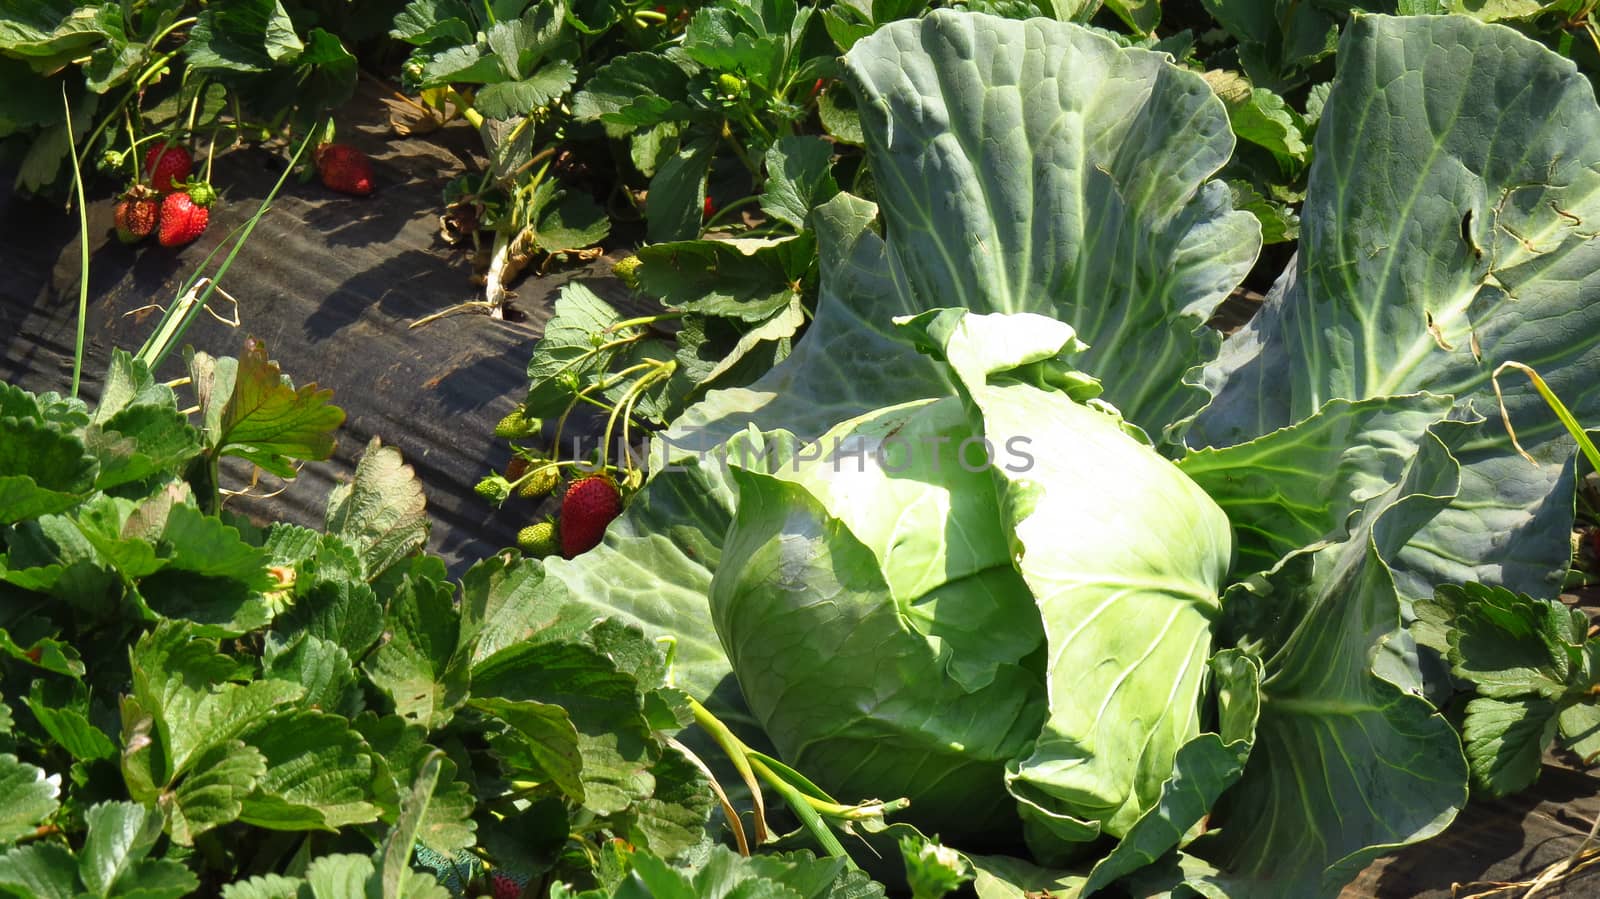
(421, 667)
(748, 279)
(186, 687)
(121, 834)
(266, 886)
(799, 177)
(319, 773)
(42, 470)
(242, 36)
(323, 668)
(634, 90)
(62, 709)
(332, 601)
(265, 420)
(41, 869)
(139, 442)
(214, 793)
(30, 798)
(382, 514)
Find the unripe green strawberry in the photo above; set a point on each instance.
(588, 506)
(517, 424)
(627, 271)
(538, 540)
(493, 488)
(540, 483)
(730, 84)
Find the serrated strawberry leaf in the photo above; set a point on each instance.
(747, 279)
(543, 742)
(581, 345)
(635, 90)
(62, 709)
(344, 613)
(570, 221)
(381, 514)
(675, 205)
(242, 36)
(393, 875)
(425, 22)
(1579, 726)
(509, 99)
(264, 886)
(29, 797)
(673, 819)
(213, 794)
(42, 470)
(191, 695)
(603, 704)
(422, 668)
(504, 603)
(323, 668)
(129, 383)
(726, 353)
(41, 651)
(121, 835)
(268, 422)
(49, 34)
(139, 442)
(400, 749)
(39, 871)
(319, 773)
(799, 178)
(1505, 741)
(1508, 644)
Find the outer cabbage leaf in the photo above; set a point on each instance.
(1346, 764)
(1299, 485)
(1038, 167)
(1448, 227)
(1071, 179)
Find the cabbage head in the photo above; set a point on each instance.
(998, 605)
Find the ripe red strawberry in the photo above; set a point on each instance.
(504, 886)
(588, 506)
(710, 207)
(167, 165)
(136, 214)
(344, 169)
(184, 215)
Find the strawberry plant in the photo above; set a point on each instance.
(149, 82)
(253, 705)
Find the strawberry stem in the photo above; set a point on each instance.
(659, 371)
(721, 213)
(83, 248)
